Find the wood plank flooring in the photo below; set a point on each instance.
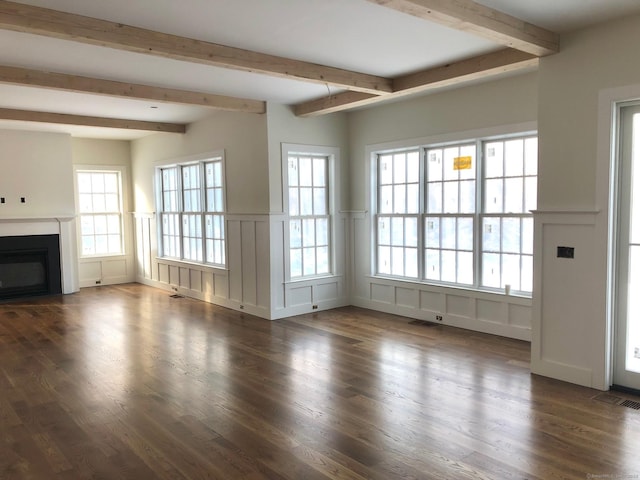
(124, 382)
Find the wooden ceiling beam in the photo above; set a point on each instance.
(475, 68)
(472, 17)
(43, 21)
(82, 120)
(78, 84)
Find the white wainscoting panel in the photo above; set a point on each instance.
(565, 306)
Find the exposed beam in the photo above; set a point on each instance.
(47, 117)
(474, 68)
(78, 84)
(43, 21)
(472, 17)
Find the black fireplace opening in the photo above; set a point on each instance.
(30, 266)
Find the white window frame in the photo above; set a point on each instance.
(202, 216)
(122, 181)
(479, 138)
(332, 154)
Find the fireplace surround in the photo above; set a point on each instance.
(30, 266)
(60, 226)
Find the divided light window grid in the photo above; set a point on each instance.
(192, 212)
(309, 219)
(445, 215)
(100, 205)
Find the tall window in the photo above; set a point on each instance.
(100, 206)
(191, 208)
(309, 215)
(459, 213)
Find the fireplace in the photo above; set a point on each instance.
(30, 266)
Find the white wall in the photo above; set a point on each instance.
(108, 154)
(497, 106)
(244, 284)
(295, 297)
(570, 321)
(37, 166)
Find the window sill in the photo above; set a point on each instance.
(512, 297)
(310, 280)
(194, 265)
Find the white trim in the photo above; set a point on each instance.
(608, 106)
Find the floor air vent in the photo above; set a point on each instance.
(615, 400)
(631, 404)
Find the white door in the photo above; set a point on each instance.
(626, 360)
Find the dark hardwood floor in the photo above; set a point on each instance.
(126, 382)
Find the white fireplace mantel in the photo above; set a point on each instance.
(63, 225)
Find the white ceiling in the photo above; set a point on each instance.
(355, 35)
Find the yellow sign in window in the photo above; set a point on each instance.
(462, 163)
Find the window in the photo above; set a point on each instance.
(191, 209)
(100, 206)
(307, 185)
(458, 213)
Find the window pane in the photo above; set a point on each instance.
(451, 197)
(295, 260)
(97, 183)
(386, 170)
(399, 199)
(322, 231)
(308, 232)
(448, 232)
(413, 198)
(514, 158)
(306, 172)
(448, 272)
(113, 224)
(413, 167)
(84, 182)
(306, 201)
(491, 234)
(468, 173)
(294, 203)
(411, 232)
(399, 168)
(465, 233)
(467, 196)
(397, 261)
(432, 264)
(98, 203)
(88, 245)
(411, 262)
(295, 234)
(384, 260)
(465, 268)
(319, 201)
(100, 222)
(531, 156)
(530, 194)
(493, 161)
(319, 169)
(434, 169)
(111, 183)
(434, 203)
(309, 261)
(86, 225)
(448, 163)
(511, 235)
(493, 196)
(513, 195)
(511, 271)
(432, 227)
(397, 231)
(323, 260)
(86, 202)
(386, 199)
(491, 270)
(111, 203)
(384, 230)
(527, 235)
(293, 171)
